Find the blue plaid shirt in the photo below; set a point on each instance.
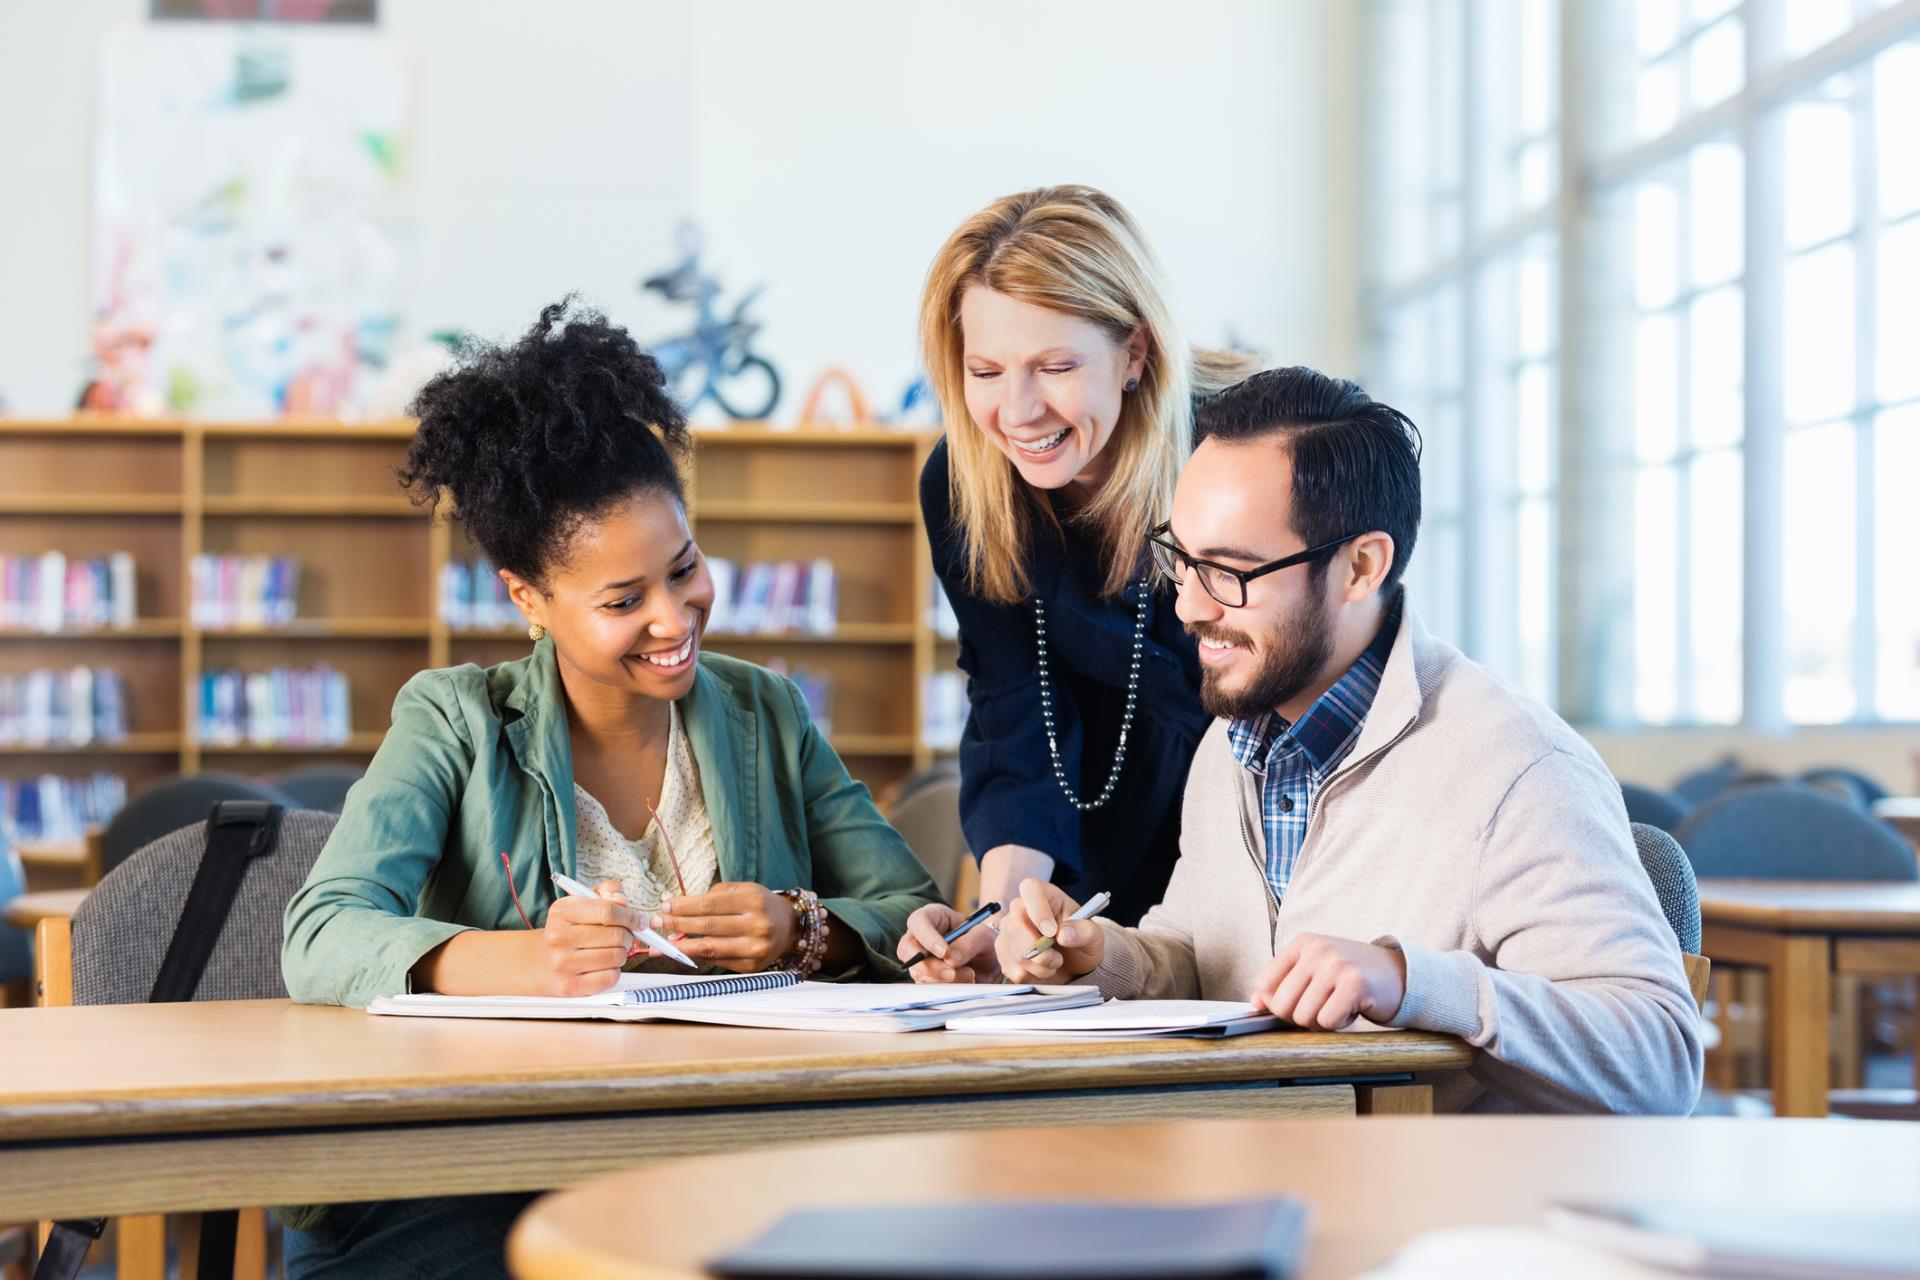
(1293, 761)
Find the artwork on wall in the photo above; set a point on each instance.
(253, 215)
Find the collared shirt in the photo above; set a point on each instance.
(1293, 761)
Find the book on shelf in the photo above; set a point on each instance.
(55, 808)
(474, 598)
(940, 615)
(774, 597)
(286, 706)
(234, 592)
(816, 690)
(943, 709)
(51, 593)
(70, 706)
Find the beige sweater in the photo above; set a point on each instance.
(1473, 830)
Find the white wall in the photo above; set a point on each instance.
(826, 147)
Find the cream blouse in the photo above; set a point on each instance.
(643, 866)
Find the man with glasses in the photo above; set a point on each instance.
(1376, 829)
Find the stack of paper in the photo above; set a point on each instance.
(790, 1005)
(1129, 1020)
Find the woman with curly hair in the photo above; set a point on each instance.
(691, 789)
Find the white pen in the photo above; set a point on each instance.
(568, 885)
(1094, 906)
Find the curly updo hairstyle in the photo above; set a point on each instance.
(537, 438)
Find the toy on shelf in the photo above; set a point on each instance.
(716, 361)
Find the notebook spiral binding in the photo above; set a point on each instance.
(731, 985)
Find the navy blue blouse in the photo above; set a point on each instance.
(1008, 794)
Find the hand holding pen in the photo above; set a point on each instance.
(939, 946)
(1047, 936)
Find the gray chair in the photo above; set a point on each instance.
(323, 786)
(170, 805)
(927, 815)
(1652, 807)
(1856, 786)
(16, 946)
(1790, 832)
(1672, 875)
(1667, 867)
(1703, 784)
(121, 929)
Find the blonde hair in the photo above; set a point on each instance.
(1074, 250)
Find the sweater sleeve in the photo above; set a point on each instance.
(1155, 961)
(1007, 790)
(1575, 994)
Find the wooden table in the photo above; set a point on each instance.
(1802, 933)
(1373, 1186)
(151, 1108)
(29, 909)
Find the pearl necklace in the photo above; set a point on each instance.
(1126, 720)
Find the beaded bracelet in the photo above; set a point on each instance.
(810, 951)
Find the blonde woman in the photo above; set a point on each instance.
(1068, 396)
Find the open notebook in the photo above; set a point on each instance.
(778, 1000)
(1128, 1020)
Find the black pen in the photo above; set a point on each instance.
(964, 927)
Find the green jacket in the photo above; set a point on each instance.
(478, 762)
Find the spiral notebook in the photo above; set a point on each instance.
(773, 1000)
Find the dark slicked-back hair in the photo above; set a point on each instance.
(1356, 462)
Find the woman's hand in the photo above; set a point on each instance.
(968, 958)
(1003, 867)
(586, 940)
(1041, 912)
(742, 927)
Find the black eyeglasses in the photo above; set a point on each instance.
(1228, 586)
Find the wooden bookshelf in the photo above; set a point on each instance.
(370, 562)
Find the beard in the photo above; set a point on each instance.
(1290, 655)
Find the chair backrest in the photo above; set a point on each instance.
(928, 817)
(1653, 807)
(121, 931)
(16, 946)
(170, 805)
(1672, 875)
(323, 786)
(1791, 833)
(1703, 784)
(1851, 783)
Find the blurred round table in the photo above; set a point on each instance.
(1374, 1183)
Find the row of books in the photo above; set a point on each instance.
(52, 593)
(287, 706)
(774, 597)
(51, 808)
(74, 706)
(472, 597)
(940, 616)
(943, 709)
(234, 591)
(816, 689)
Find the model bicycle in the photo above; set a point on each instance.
(716, 361)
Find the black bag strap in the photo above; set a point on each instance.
(67, 1246)
(238, 831)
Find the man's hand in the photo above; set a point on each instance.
(1040, 911)
(1325, 983)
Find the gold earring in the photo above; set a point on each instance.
(536, 633)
